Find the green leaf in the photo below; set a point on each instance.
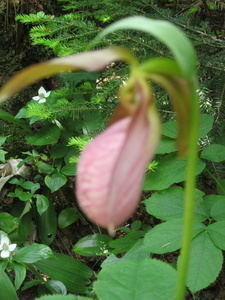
(206, 125)
(7, 290)
(67, 297)
(169, 204)
(167, 237)
(205, 263)
(33, 253)
(55, 181)
(3, 139)
(49, 134)
(42, 203)
(47, 224)
(93, 245)
(216, 232)
(71, 272)
(44, 168)
(170, 170)
(169, 129)
(220, 186)
(10, 118)
(210, 200)
(20, 272)
(56, 287)
(2, 155)
(30, 284)
(218, 210)
(8, 222)
(214, 152)
(29, 185)
(136, 279)
(167, 33)
(67, 217)
(166, 145)
(126, 243)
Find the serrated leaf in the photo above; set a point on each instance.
(216, 232)
(93, 245)
(33, 253)
(55, 181)
(214, 152)
(167, 237)
(67, 217)
(205, 263)
(169, 204)
(136, 279)
(170, 170)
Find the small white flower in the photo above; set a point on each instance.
(5, 247)
(42, 94)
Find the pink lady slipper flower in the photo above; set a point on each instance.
(111, 168)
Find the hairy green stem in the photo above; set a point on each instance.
(189, 197)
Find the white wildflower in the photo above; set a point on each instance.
(5, 247)
(42, 95)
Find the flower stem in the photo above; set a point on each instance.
(189, 197)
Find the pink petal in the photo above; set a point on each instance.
(111, 170)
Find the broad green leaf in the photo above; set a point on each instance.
(210, 200)
(169, 129)
(69, 169)
(170, 170)
(205, 263)
(3, 139)
(218, 210)
(7, 290)
(8, 222)
(57, 287)
(29, 185)
(55, 181)
(42, 203)
(214, 152)
(20, 272)
(169, 204)
(44, 167)
(47, 224)
(220, 186)
(166, 145)
(167, 33)
(205, 125)
(10, 118)
(2, 155)
(71, 272)
(136, 279)
(67, 217)
(216, 232)
(125, 243)
(33, 253)
(66, 297)
(90, 61)
(49, 134)
(167, 237)
(93, 245)
(25, 225)
(29, 284)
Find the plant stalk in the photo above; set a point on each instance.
(189, 197)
